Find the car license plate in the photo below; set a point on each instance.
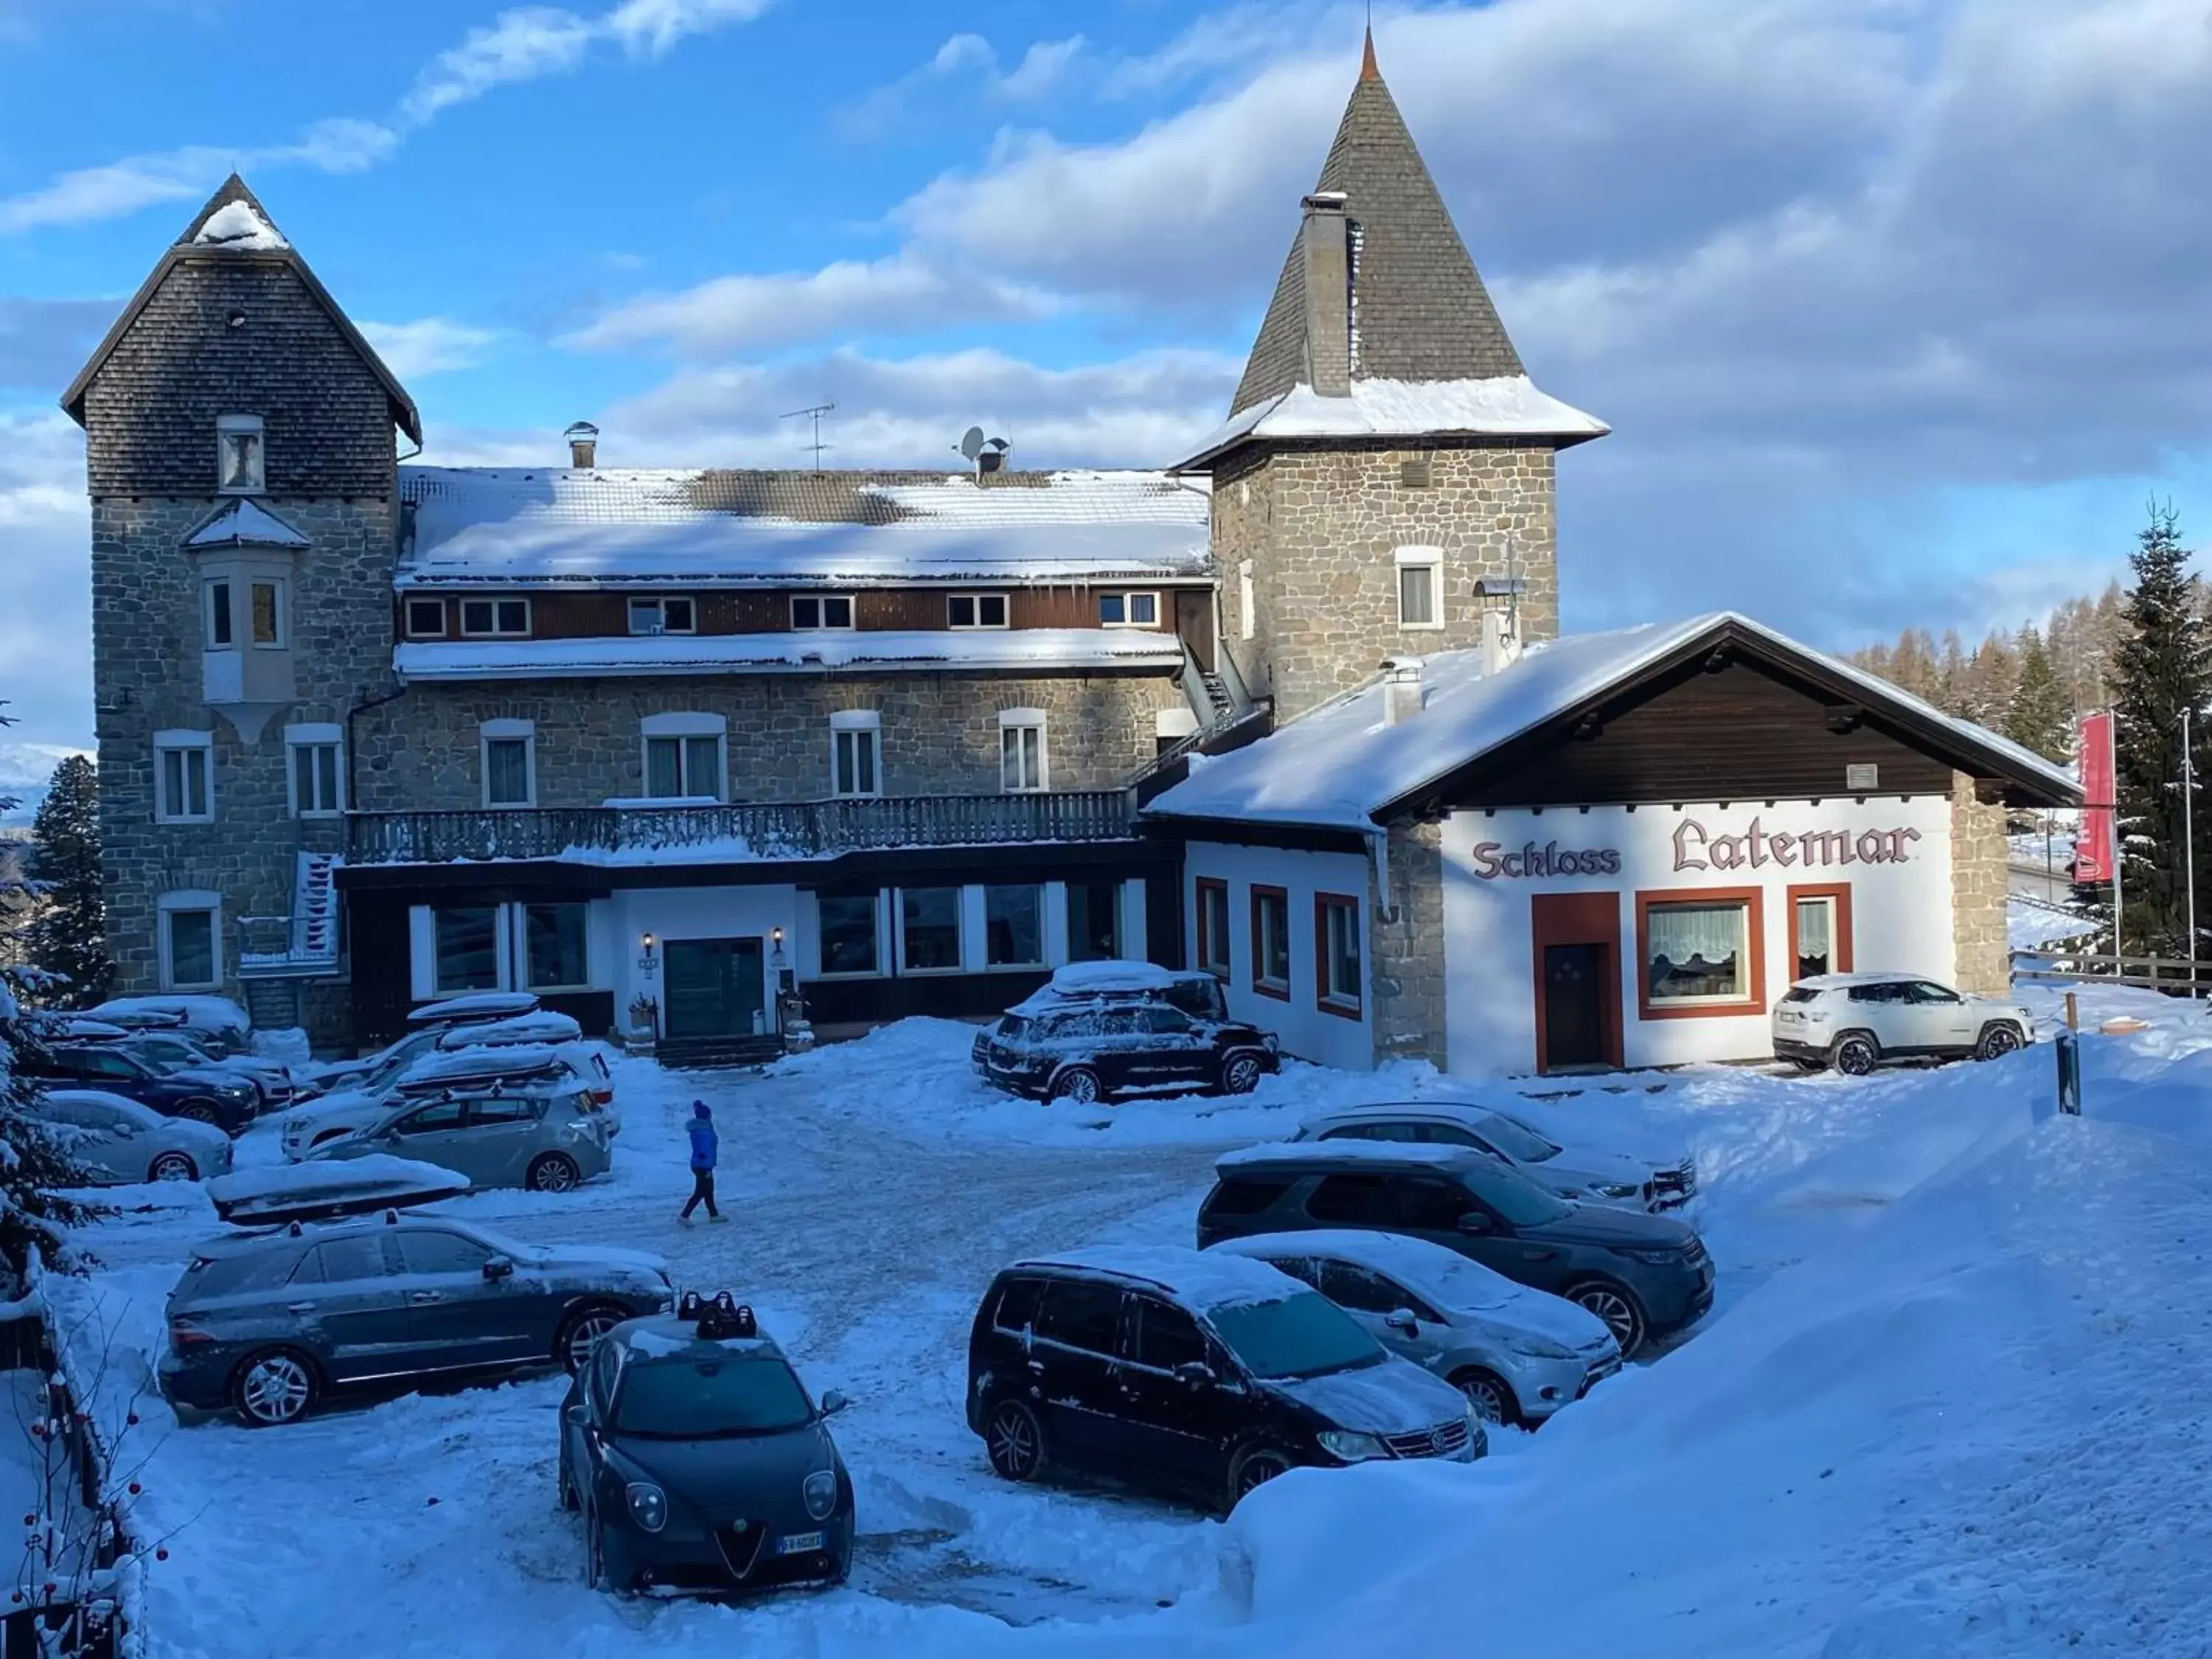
(799, 1543)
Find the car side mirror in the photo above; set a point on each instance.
(1402, 1319)
(833, 1402)
(498, 1267)
(580, 1415)
(1196, 1374)
(1475, 1223)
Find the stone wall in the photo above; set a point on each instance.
(146, 641)
(939, 736)
(1980, 885)
(1320, 527)
(1408, 948)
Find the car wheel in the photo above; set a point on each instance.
(553, 1172)
(273, 1388)
(1240, 1075)
(172, 1166)
(1622, 1314)
(1014, 1441)
(573, 1346)
(1997, 1040)
(1080, 1085)
(1255, 1466)
(1492, 1399)
(1855, 1055)
(199, 1111)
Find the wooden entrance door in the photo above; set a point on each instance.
(1576, 940)
(716, 986)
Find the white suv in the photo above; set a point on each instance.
(1856, 1022)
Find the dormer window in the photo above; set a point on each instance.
(238, 454)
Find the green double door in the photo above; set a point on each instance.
(716, 986)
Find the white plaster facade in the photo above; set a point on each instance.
(1308, 1029)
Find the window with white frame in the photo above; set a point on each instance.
(239, 455)
(975, 611)
(1420, 587)
(1013, 926)
(812, 610)
(317, 758)
(1021, 750)
(189, 940)
(856, 737)
(929, 930)
(483, 619)
(222, 625)
(684, 755)
(184, 777)
(509, 751)
(426, 619)
(663, 616)
(848, 933)
(267, 621)
(1128, 610)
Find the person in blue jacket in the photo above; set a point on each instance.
(704, 1147)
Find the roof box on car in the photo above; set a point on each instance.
(475, 1006)
(542, 1026)
(453, 1068)
(328, 1191)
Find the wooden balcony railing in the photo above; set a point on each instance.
(765, 831)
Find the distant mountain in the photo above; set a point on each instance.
(24, 770)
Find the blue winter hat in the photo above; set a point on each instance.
(699, 1109)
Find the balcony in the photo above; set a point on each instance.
(766, 832)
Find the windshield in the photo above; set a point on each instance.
(1516, 1198)
(1449, 1278)
(1012, 1025)
(513, 1248)
(710, 1397)
(1516, 1141)
(1303, 1335)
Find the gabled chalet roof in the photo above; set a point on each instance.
(244, 522)
(548, 527)
(233, 225)
(1340, 767)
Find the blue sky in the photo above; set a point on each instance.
(1900, 308)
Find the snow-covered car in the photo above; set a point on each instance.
(1589, 1173)
(1087, 1052)
(1518, 1355)
(117, 1141)
(684, 1420)
(176, 1050)
(471, 1008)
(540, 1136)
(579, 1066)
(541, 1026)
(221, 1023)
(1194, 991)
(1856, 1022)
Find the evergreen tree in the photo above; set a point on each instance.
(2163, 666)
(2041, 715)
(69, 935)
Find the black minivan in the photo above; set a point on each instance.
(1202, 1376)
(1644, 1274)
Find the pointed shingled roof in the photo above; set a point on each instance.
(1420, 310)
(232, 189)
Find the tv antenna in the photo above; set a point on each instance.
(814, 414)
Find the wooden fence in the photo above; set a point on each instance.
(2064, 967)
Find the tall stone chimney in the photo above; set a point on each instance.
(583, 446)
(1328, 293)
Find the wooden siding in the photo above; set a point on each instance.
(1740, 733)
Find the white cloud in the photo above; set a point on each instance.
(521, 45)
(430, 345)
(964, 57)
(652, 26)
(732, 314)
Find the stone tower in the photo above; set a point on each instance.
(243, 471)
(1385, 476)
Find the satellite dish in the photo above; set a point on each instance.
(971, 443)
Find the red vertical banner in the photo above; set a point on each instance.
(2093, 846)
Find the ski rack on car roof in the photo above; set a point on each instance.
(722, 1317)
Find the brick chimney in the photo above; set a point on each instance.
(583, 446)
(1328, 293)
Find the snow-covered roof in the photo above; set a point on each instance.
(1020, 648)
(1198, 1280)
(1412, 1261)
(243, 522)
(236, 225)
(1355, 1151)
(1339, 764)
(544, 527)
(1505, 405)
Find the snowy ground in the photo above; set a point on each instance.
(1946, 1403)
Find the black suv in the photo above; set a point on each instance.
(1199, 1375)
(1092, 1051)
(230, 1100)
(1644, 1274)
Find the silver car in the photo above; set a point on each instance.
(546, 1139)
(1518, 1355)
(120, 1143)
(577, 1066)
(1588, 1173)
